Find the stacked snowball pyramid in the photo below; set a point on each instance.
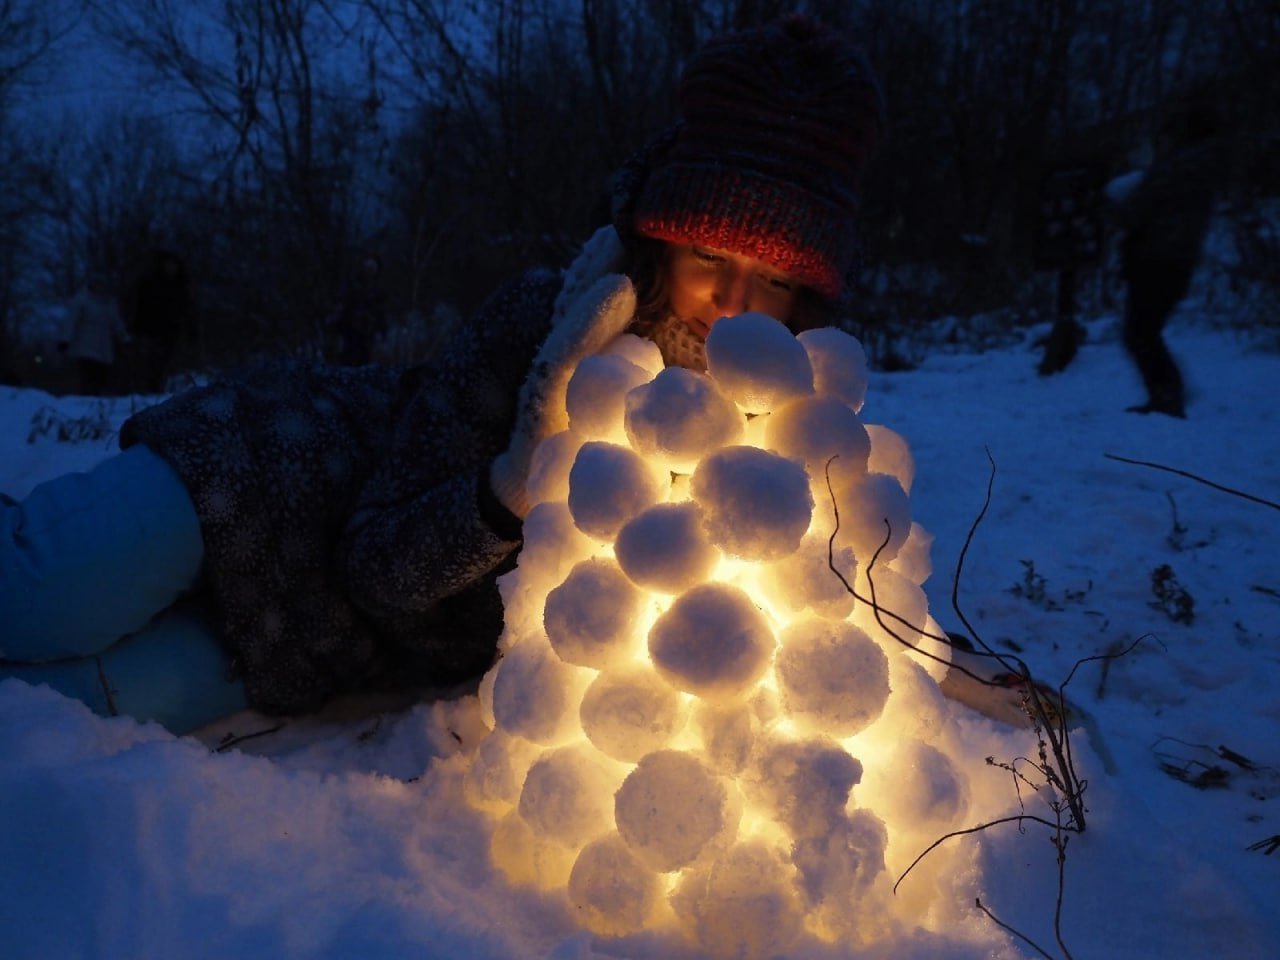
(694, 722)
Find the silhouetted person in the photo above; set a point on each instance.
(1165, 219)
(360, 315)
(160, 317)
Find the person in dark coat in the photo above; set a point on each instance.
(159, 317)
(294, 532)
(1165, 219)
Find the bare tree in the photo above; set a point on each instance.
(29, 32)
(284, 97)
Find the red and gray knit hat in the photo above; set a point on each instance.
(777, 124)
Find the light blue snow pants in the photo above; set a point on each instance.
(97, 578)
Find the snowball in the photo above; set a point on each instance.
(666, 549)
(839, 364)
(641, 351)
(933, 652)
(596, 395)
(804, 785)
(804, 580)
(589, 617)
(536, 694)
(903, 608)
(671, 808)
(822, 433)
(917, 707)
(837, 866)
(890, 454)
(527, 858)
(832, 676)
(757, 362)
(552, 543)
(629, 712)
(568, 795)
(920, 784)
(728, 733)
(875, 515)
(712, 642)
(608, 485)
(756, 505)
(549, 467)
(497, 771)
(679, 417)
(743, 905)
(613, 893)
(914, 560)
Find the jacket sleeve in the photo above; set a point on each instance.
(426, 524)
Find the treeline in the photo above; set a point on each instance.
(276, 142)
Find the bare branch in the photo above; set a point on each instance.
(1198, 479)
(1008, 929)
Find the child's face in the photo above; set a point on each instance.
(706, 284)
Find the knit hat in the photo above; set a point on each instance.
(777, 124)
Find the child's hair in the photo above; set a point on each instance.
(646, 262)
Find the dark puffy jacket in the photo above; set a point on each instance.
(351, 539)
(1166, 216)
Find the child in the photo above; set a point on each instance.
(292, 533)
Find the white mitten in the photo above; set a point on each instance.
(584, 324)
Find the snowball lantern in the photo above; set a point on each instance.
(695, 723)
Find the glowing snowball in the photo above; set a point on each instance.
(875, 515)
(757, 505)
(596, 394)
(679, 417)
(728, 732)
(712, 642)
(526, 858)
(933, 652)
(890, 454)
(641, 351)
(613, 893)
(917, 707)
(665, 548)
(832, 676)
(820, 431)
(920, 784)
(629, 712)
(536, 694)
(588, 618)
(804, 581)
(836, 866)
(914, 560)
(497, 771)
(567, 795)
(757, 362)
(553, 544)
(903, 608)
(671, 809)
(839, 364)
(743, 905)
(804, 784)
(549, 467)
(608, 485)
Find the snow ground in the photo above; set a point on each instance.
(345, 836)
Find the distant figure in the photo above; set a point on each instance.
(1165, 218)
(96, 328)
(360, 315)
(159, 316)
(1068, 240)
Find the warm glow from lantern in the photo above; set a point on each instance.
(689, 713)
